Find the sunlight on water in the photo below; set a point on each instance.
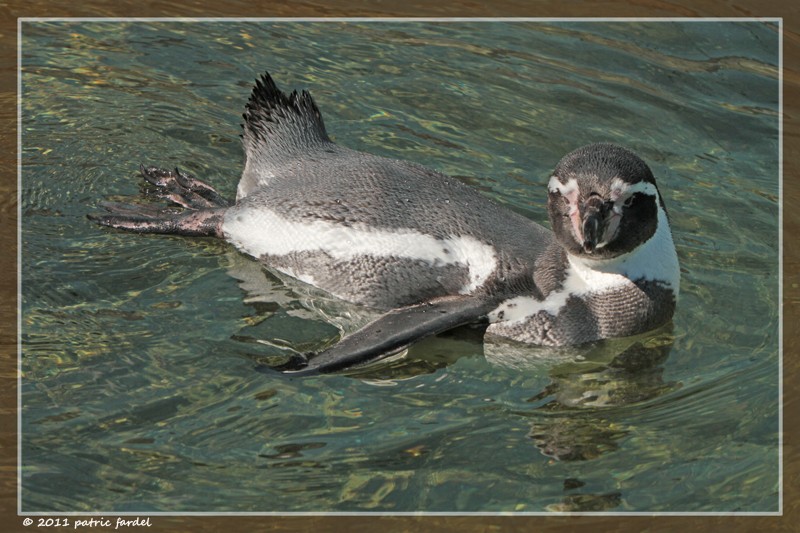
(140, 353)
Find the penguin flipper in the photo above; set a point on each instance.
(391, 333)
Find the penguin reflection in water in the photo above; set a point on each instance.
(426, 249)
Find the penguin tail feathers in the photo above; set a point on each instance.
(281, 124)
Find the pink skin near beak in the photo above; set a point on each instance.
(575, 215)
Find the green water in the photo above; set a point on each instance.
(140, 389)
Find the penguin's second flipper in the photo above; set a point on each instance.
(393, 332)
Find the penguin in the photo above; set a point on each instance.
(425, 249)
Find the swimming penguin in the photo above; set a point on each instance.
(425, 248)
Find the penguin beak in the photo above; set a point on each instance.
(599, 223)
(592, 230)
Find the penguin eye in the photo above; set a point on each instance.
(629, 201)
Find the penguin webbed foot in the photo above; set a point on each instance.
(183, 189)
(201, 214)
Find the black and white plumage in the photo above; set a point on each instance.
(424, 247)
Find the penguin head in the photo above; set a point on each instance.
(603, 202)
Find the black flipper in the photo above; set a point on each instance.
(393, 332)
(204, 207)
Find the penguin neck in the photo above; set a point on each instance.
(654, 260)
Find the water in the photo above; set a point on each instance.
(139, 353)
